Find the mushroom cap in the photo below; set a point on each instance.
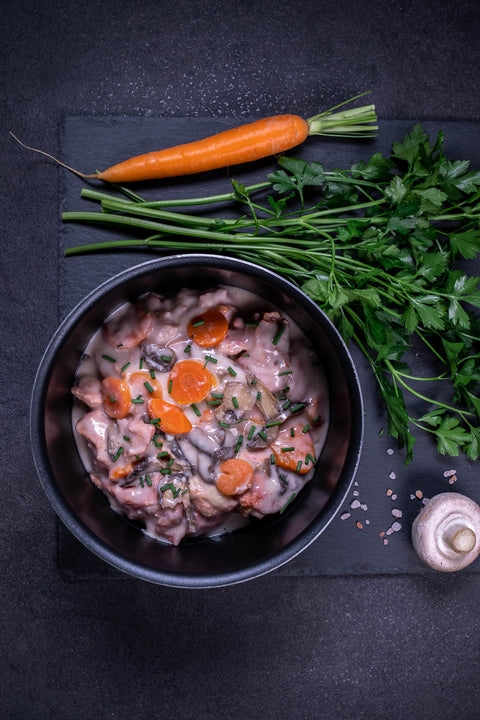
(446, 533)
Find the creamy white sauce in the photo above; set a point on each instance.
(188, 502)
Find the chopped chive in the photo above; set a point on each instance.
(176, 492)
(285, 372)
(170, 386)
(234, 402)
(251, 432)
(224, 424)
(198, 323)
(170, 462)
(157, 442)
(120, 345)
(263, 435)
(166, 358)
(309, 458)
(286, 389)
(138, 400)
(306, 428)
(137, 457)
(299, 465)
(141, 482)
(118, 453)
(148, 386)
(152, 374)
(238, 444)
(110, 359)
(231, 371)
(219, 396)
(251, 324)
(140, 364)
(286, 405)
(214, 402)
(112, 400)
(122, 369)
(155, 421)
(288, 449)
(283, 478)
(273, 423)
(277, 337)
(166, 471)
(254, 381)
(126, 438)
(317, 418)
(188, 348)
(148, 480)
(290, 499)
(297, 407)
(168, 486)
(272, 459)
(210, 358)
(195, 410)
(259, 396)
(292, 432)
(163, 454)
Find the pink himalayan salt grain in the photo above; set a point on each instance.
(359, 525)
(397, 513)
(396, 526)
(449, 473)
(345, 516)
(385, 541)
(392, 476)
(419, 494)
(355, 504)
(389, 492)
(452, 480)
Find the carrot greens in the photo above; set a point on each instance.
(382, 247)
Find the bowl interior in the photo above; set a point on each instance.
(243, 554)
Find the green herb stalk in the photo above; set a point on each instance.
(376, 247)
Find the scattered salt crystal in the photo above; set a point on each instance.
(396, 526)
(356, 483)
(355, 504)
(364, 506)
(412, 497)
(344, 516)
(397, 513)
(389, 492)
(419, 494)
(390, 451)
(355, 493)
(385, 541)
(449, 473)
(452, 479)
(394, 497)
(382, 533)
(359, 525)
(390, 531)
(392, 476)
(367, 522)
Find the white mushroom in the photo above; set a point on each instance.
(446, 533)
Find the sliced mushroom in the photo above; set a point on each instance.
(159, 358)
(273, 414)
(238, 399)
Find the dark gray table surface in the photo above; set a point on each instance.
(360, 630)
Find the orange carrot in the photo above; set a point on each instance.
(235, 476)
(120, 471)
(189, 382)
(142, 383)
(209, 328)
(171, 419)
(245, 143)
(116, 397)
(294, 453)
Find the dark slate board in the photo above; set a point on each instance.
(383, 484)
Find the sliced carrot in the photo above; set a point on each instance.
(120, 471)
(294, 453)
(209, 328)
(116, 397)
(235, 476)
(189, 382)
(142, 383)
(171, 419)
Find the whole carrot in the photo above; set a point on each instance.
(259, 139)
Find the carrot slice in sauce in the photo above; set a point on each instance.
(171, 419)
(142, 383)
(116, 397)
(235, 476)
(294, 453)
(189, 382)
(209, 328)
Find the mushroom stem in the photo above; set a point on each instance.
(462, 540)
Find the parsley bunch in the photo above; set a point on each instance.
(379, 247)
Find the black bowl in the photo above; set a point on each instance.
(235, 557)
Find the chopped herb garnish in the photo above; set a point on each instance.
(112, 400)
(170, 462)
(259, 396)
(272, 423)
(297, 407)
(272, 459)
(126, 438)
(118, 453)
(198, 323)
(168, 486)
(306, 428)
(155, 421)
(286, 405)
(277, 337)
(309, 458)
(263, 435)
(166, 471)
(157, 442)
(214, 402)
(140, 364)
(148, 386)
(152, 374)
(231, 371)
(210, 358)
(285, 372)
(290, 499)
(254, 381)
(234, 402)
(251, 324)
(166, 358)
(238, 444)
(283, 478)
(120, 345)
(224, 424)
(163, 454)
(219, 396)
(110, 359)
(138, 400)
(170, 386)
(317, 419)
(188, 348)
(292, 432)
(251, 432)
(148, 480)
(195, 410)
(122, 369)
(287, 449)
(299, 465)
(141, 482)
